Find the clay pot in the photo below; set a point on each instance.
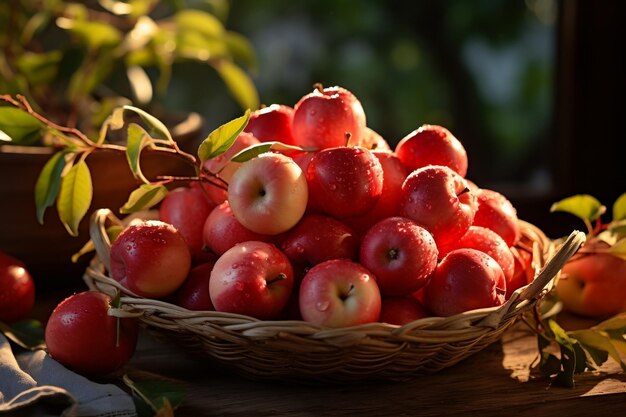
(47, 249)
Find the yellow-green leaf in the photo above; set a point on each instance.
(222, 138)
(137, 139)
(583, 206)
(144, 197)
(157, 127)
(239, 83)
(199, 21)
(20, 126)
(241, 49)
(75, 197)
(47, 185)
(93, 34)
(599, 340)
(259, 148)
(619, 208)
(619, 249)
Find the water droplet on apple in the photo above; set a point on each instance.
(322, 305)
(239, 286)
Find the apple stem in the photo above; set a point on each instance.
(319, 87)
(393, 254)
(348, 136)
(348, 293)
(277, 278)
(465, 190)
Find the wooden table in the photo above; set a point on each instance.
(495, 382)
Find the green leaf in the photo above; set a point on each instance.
(93, 34)
(156, 394)
(39, 68)
(137, 139)
(21, 127)
(600, 340)
(90, 75)
(222, 138)
(259, 148)
(617, 322)
(75, 197)
(583, 206)
(241, 49)
(199, 21)
(239, 83)
(619, 208)
(28, 334)
(619, 249)
(144, 197)
(157, 128)
(48, 182)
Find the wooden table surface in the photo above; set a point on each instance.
(497, 381)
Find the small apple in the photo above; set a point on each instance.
(17, 289)
(222, 230)
(272, 123)
(400, 253)
(252, 278)
(438, 199)
(432, 145)
(82, 336)
(489, 242)
(339, 293)
(465, 279)
(372, 140)
(401, 310)
(150, 258)
(268, 194)
(344, 181)
(224, 167)
(194, 293)
(494, 211)
(326, 117)
(186, 208)
(318, 238)
(592, 283)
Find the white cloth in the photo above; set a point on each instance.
(30, 378)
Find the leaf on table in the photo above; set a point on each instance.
(144, 197)
(220, 139)
(75, 196)
(160, 396)
(28, 334)
(583, 206)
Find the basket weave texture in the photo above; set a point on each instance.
(297, 350)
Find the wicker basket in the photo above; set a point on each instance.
(297, 350)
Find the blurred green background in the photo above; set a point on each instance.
(483, 68)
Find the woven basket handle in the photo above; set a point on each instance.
(533, 290)
(98, 233)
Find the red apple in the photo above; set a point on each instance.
(400, 253)
(438, 199)
(388, 205)
(592, 283)
(489, 242)
(432, 145)
(222, 230)
(225, 168)
(272, 123)
(324, 118)
(373, 141)
(194, 293)
(523, 272)
(344, 181)
(82, 336)
(17, 289)
(496, 212)
(401, 310)
(465, 279)
(339, 293)
(186, 208)
(252, 278)
(318, 238)
(150, 258)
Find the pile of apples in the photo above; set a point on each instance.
(338, 229)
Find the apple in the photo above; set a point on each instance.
(401, 310)
(523, 272)
(150, 258)
(495, 212)
(438, 199)
(489, 242)
(327, 118)
(82, 336)
(432, 145)
(222, 230)
(400, 253)
(224, 167)
(193, 294)
(388, 205)
(465, 279)
(592, 283)
(339, 293)
(268, 194)
(186, 208)
(317, 238)
(17, 289)
(372, 140)
(344, 181)
(251, 278)
(272, 123)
